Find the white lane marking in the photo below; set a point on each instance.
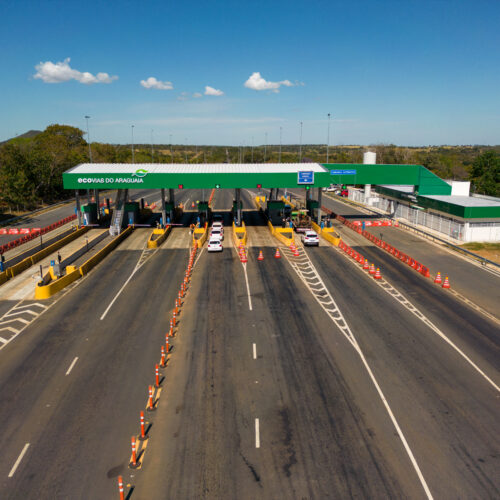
(254, 351)
(3, 340)
(18, 461)
(257, 433)
(248, 287)
(139, 264)
(118, 294)
(72, 365)
(343, 326)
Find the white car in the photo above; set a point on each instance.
(214, 245)
(310, 238)
(216, 233)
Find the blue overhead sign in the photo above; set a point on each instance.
(305, 177)
(342, 172)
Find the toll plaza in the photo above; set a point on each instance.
(276, 177)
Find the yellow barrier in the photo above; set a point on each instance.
(256, 200)
(19, 267)
(204, 234)
(283, 234)
(288, 202)
(3, 277)
(328, 233)
(93, 261)
(158, 241)
(240, 234)
(44, 292)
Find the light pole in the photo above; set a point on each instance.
(185, 149)
(88, 138)
(252, 149)
(152, 158)
(265, 147)
(328, 140)
(133, 157)
(281, 130)
(300, 144)
(171, 149)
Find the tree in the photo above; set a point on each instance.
(485, 173)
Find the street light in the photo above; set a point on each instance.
(281, 130)
(171, 149)
(152, 158)
(300, 144)
(252, 149)
(88, 138)
(185, 149)
(133, 157)
(328, 140)
(265, 148)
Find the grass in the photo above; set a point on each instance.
(474, 246)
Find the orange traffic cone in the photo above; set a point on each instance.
(377, 274)
(446, 283)
(360, 259)
(437, 279)
(372, 268)
(192, 205)
(260, 257)
(277, 255)
(296, 252)
(366, 266)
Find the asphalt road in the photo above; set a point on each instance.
(323, 428)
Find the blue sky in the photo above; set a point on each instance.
(404, 72)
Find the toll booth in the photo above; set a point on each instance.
(234, 211)
(89, 213)
(312, 206)
(204, 212)
(131, 213)
(275, 211)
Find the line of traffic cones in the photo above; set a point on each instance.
(439, 281)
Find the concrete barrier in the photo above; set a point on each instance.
(87, 266)
(202, 233)
(3, 277)
(57, 245)
(240, 234)
(285, 235)
(19, 267)
(45, 292)
(328, 233)
(161, 236)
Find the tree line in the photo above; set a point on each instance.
(31, 167)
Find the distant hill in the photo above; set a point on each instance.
(26, 135)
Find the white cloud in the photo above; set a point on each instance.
(212, 91)
(183, 96)
(59, 72)
(153, 83)
(256, 82)
(196, 95)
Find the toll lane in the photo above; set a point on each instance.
(293, 418)
(79, 425)
(448, 411)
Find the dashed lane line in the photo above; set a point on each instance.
(71, 366)
(303, 262)
(257, 433)
(18, 461)
(254, 348)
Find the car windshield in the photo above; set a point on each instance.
(216, 231)
(214, 242)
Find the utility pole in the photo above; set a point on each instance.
(185, 149)
(252, 149)
(171, 150)
(300, 144)
(265, 148)
(281, 130)
(328, 140)
(88, 138)
(152, 157)
(133, 157)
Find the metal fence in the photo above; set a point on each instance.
(442, 224)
